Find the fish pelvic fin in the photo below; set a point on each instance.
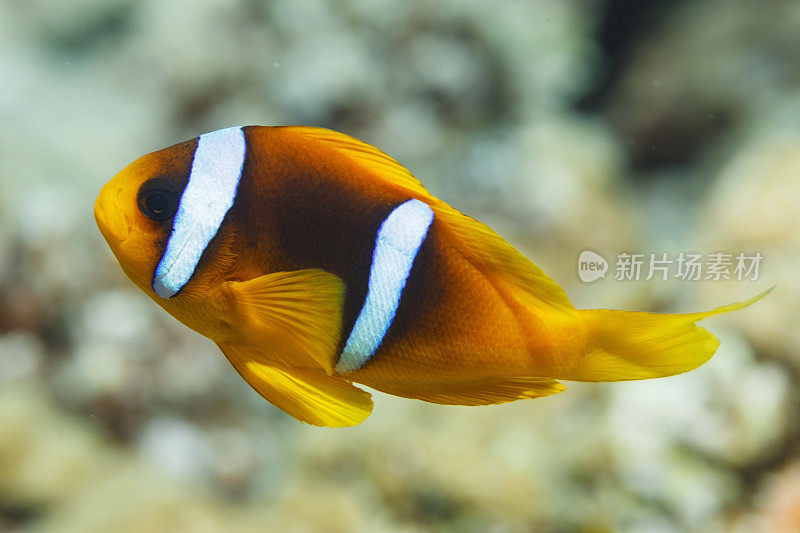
(311, 397)
(295, 316)
(629, 345)
(488, 391)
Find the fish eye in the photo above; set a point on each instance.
(158, 199)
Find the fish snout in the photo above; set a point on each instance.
(112, 223)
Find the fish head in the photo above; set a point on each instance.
(134, 211)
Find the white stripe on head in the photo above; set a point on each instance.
(209, 194)
(399, 240)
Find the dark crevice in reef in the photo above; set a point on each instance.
(624, 24)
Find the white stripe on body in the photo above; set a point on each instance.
(396, 246)
(209, 194)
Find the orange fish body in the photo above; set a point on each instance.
(315, 261)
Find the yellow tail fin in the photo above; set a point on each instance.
(626, 345)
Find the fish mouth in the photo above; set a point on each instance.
(111, 222)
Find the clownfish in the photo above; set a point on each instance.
(316, 261)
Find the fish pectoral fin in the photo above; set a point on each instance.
(492, 391)
(308, 396)
(295, 315)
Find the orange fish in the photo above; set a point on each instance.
(316, 261)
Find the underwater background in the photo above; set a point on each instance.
(612, 126)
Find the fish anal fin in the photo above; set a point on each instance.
(491, 391)
(296, 316)
(308, 396)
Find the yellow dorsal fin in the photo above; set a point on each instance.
(515, 274)
(366, 155)
(310, 397)
(492, 391)
(512, 272)
(295, 317)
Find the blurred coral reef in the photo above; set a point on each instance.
(607, 125)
